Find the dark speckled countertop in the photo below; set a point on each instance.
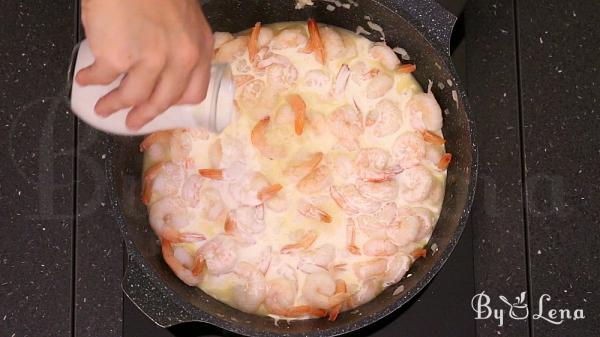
(531, 72)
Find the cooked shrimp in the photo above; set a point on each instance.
(250, 93)
(159, 137)
(259, 139)
(220, 254)
(313, 212)
(424, 112)
(253, 190)
(346, 122)
(315, 43)
(379, 86)
(252, 292)
(415, 183)
(281, 294)
(367, 292)
(299, 107)
(250, 220)
(385, 55)
(318, 260)
(281, 76)
(397, 268)
(302, 164)
(379, 247)
(183, 273)
(368, 269)
(360, 73)
(317, 80)
(288, 38)
(191, 190)
(351, 201)
(181, 144)
(412, 225)
(316, 180)
(265, 37)
(381, 191)
(162, 179)
(351, 237)
(371, 164)
(409, 149)
(319, 291)
(375, 225)
(220, 38)
(168, 211)
(230, 50)
(304, 243)
(340, 288)
(385, 118)
(333, 43)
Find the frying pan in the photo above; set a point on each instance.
(423, 28)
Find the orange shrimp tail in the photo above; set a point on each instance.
(258, 132)
(340, 288)
(315, 43)
(304, 243)
(354, 250)
(154, 138)
(199, 264)
(305, 310)
(149, 176)
(214, 174)
(325, 217)
(230, 225)
(432, 138)
(253, 42)
(269, 192)
(299, 107)
(420, 252)
(407, 68)
(445, 161)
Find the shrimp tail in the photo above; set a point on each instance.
(407, 68)
(444, 161)
(154, 138)
(315, 43)
(306, 241)
(420, 252)
(268, 192)
(214, 174)
(304, 310)
(253, 42)
(340, 289)
(149, 176)
(299, 107)
(199, 264)
(432, 138)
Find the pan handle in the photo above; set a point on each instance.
(156, 302)
(432, 19)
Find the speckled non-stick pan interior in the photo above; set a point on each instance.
(422, 28)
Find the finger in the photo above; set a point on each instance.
(97, 73)
(170, 87)
(135, 88)
(198, 85)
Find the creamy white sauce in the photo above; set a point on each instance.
(288, 226)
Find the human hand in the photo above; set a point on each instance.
(163, 46)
